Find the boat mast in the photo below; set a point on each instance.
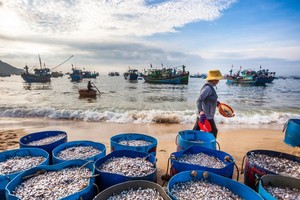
(40, 61)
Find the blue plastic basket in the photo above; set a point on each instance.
(88, 193)
(188, 138)
(292, 132)
(226, 171)
(5, 155)
(151, 148)
(235, 187)
(106, 179)
(42, 135)
(67, 145)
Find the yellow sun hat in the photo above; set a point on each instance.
(214, 75)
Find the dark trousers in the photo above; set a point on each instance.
(214, 129)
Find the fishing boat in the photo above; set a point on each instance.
(56, 74)
(41, 75)
(167, 76)
(89, 74)
(131, 75)
(116, 73)
(4, 75)
(111, 74)
(87, 93)
(204, 76)
(76, 74)
(250, 77)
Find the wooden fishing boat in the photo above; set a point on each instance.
(56, 74)
(89, 74)
(131, 75)
(251, 77)
(76, 75)
(204, 76)
(167, 76)
(87, 93)
(41, 75)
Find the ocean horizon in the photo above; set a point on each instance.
(138, 102)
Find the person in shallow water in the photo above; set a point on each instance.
(208, 101)
(89, 86)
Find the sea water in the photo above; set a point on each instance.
(122, 101)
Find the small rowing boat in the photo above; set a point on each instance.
(87, 93)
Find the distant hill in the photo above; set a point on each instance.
(7, 69)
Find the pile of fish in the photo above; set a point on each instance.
(52, 185)
(200, 189)
(19, 163)
(135, 143)
(277, 165)
(133, 167)
(145, 194)
(47, 140)
(283, 192)
(201, 159)
(78, 152)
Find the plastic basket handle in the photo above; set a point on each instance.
(97, 188)
(242, 168)
(284, 127)
(218, 145)
(237, 172)
(227, 158)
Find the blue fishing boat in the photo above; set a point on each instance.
(250, 77)
(89, 74)
(76, 74)
(41, 75)
(167, 76)
(131, 75)
(204, 76)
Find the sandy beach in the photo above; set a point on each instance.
(236, 140)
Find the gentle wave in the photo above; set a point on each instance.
(146, 116)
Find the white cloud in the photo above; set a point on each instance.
(96, 19)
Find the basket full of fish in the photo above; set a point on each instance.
(273, 187)
(134, 141)
(202, 158)
(46, 140)
(70, 180)
(85, 150)
(188, 138)
(198, 184)
(125, 165)
(138, 189)
(262, 162)
(13, 162)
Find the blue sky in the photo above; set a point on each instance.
(110, 35)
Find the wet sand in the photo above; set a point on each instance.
(236, 140)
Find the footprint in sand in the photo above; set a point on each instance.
(11, 143)
(9, 137)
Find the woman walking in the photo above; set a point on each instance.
(208, 101)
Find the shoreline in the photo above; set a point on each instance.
(235, 140)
